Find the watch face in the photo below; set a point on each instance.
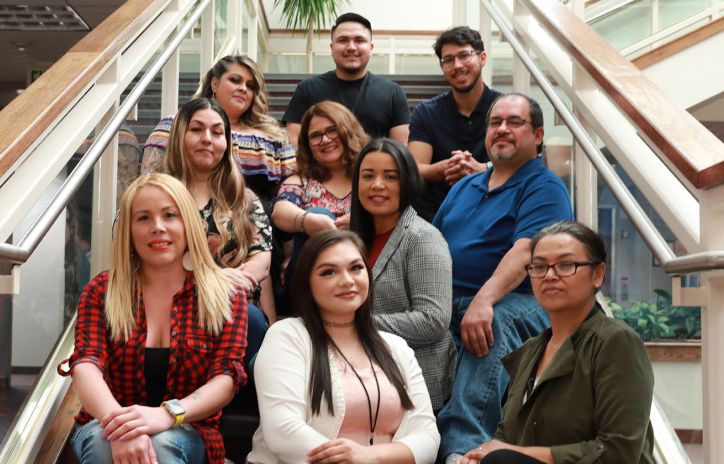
(175, 407)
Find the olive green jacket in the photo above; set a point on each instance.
(592, 403)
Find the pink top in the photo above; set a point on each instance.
(313, 193)
(356, 423)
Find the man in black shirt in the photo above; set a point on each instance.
(447, 133)
(379, 104)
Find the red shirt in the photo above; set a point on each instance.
(378, 245)
(195, 356)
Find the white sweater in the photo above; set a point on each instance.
(288, 430)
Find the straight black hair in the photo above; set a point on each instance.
(461, 35)
(320, 382)
(352, 18)
(595, 249)
(411, 184)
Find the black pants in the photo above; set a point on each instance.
(505, 456)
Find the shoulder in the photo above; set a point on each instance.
(614, 332)
(294, 179)
(98, 284)
(318, 80)
(431, 106)
(289, 328)
(383, 82)
(424, 231)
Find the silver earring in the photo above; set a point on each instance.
(187, 263)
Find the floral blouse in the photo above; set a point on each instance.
(312, 193)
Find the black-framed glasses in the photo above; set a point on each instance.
(562, 268)
(513, 122)
(315, 138)
(463, 57)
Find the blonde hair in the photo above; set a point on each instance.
(123, 293)
(256, 116)
(226, 183)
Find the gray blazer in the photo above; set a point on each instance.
(413, 299)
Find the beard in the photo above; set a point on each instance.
(468, 88)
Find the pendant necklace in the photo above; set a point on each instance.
(373, 423)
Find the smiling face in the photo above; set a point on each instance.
(329, 151)
(572, 293)
(379, 189)
(205, 141)
(158, 234)
(465, 71)
(351, 49)
(339, 282)
(235, 90)
(512, 146)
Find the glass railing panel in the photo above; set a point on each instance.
(626, 26)
(221, 11)
(417, 64)
(672, 12)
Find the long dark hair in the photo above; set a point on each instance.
(320, 382)
(410, 184)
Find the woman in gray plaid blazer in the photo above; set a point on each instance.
(411, 265)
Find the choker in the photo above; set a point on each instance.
(338, 325)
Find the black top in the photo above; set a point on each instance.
(155, 372)
(378, 103)
(438, 122)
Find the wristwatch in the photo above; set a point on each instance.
(176, 409)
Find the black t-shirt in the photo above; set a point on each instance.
(378, 103)
(439, 123)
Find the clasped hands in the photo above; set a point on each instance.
(474, 456)
(460, 164)
(339, 450)
(129, 429)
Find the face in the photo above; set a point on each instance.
(351, 47)
(235, 90)
(464, 71)
(339, 282)
(379, 187)
(205, 140)
(330, 149)
(507, 145)
(575, 292)
(158, 235)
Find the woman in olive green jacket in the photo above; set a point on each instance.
(581, 391)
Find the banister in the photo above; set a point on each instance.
(657, 244)
(671, 131)
(28, 115)
(21, 252)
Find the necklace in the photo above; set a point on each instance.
(373, 424)
(338, 325)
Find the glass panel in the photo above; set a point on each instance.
(626, 26)
(672, 12)
(417, 64)
(220, 24)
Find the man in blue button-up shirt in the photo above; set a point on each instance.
(487, 220)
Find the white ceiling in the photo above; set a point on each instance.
(43, 48)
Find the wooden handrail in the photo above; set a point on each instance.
(27, 117)
(682, 43)
(672, 131)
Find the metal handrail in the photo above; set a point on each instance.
(671, 264)
(20, 253)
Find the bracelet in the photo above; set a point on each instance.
(301, 226)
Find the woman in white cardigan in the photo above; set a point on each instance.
(331, 387)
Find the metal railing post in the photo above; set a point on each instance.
(207, 39)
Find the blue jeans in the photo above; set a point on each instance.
(256, 330)
(472, 414)
(180, 444)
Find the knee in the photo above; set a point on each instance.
(181, 444)
(90, 445)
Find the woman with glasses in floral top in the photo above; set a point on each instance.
(318, 197)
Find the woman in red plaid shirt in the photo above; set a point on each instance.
(158, 348)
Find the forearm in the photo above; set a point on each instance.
(432, 173)
(209, 398)
(293, 129)
(258, 265)
(287, 216)
(92, 390)
(392, 453)
(509, 274)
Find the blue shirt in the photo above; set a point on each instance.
(480, 226)
(439, 123)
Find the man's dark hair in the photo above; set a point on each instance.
(352, 18)
(461, 35)
(536, 113)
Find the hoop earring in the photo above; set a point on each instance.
(187, 263)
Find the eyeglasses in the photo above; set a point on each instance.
(464, 57)
(315, 138)
(513, 122)
(562, 269)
